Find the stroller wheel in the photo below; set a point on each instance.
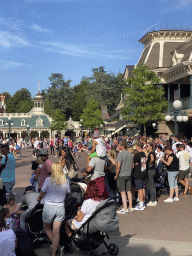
(113, 249)
(93, 253)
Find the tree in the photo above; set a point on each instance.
(92, 115)
(59, 94)
(59, 121)
(144, 97)
(79, 98)
(106, 88)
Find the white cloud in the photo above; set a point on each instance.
(4, 64)
(39, 28)
(8, 40)
(83, 51)
(10, 23)
(148, 29)
(184, 3)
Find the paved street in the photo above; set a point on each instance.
(162, 230)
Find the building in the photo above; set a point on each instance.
(169, 54)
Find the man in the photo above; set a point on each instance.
(7, 169)
(30, 199)
(52, 146)
(45, 171)
(184, 166)
(177, 142)
(139, 175)
(123, 176)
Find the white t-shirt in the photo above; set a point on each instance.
(184, 158)
(100, 147)
(174, 147)
(7, 242)
(36, 144)
(55, 195)
(159, 155)
(88, 207)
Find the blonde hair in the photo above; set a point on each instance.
(57, 174)
(112, 154)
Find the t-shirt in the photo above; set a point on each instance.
(65, 141)
(100, 147)
(7, 242)
(30, 199)
(55, 194)
(8, 173)
(98, 165)
(174, 147)
(126, 160)
(139, 171)
(184, 158)
(88, 207)
(44, 172)
(152, 165)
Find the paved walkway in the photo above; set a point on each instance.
(162, 230)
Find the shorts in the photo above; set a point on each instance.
(124, 183)
(184, 174)
(53, 213)
(8, 186)
(172, 178)
(139, 184)
(71, 224)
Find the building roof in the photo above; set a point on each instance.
(116, 114)
(105, 115)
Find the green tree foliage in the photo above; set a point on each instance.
(79, 98)
(106, 88)
(144, 98)
(21, 102)
(59, 121)
(59, 94)
(92, 115)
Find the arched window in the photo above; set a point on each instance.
(1, 122)
(23, 122)
(39, 122)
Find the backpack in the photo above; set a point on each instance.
(24, 244)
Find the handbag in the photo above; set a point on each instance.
(72, 173)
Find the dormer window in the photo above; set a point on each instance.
(1, 122)
(39, 122)
(23, 122)
(177, 58)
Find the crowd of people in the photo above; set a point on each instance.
(124, 166)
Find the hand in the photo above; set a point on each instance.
(116, 176)
(38, 199)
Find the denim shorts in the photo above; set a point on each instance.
(172, 178)
(53, 213)
(9, 186)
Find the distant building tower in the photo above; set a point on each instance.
(38, 102)
(2, 104)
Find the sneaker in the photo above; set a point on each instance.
(122, 211)
(139, 208)
(176, 199)
(168, 200)
(152, 203)
(131, 210)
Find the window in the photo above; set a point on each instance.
(39, 122)
(23, 122)
(1, 122)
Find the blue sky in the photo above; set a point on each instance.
(40, 37)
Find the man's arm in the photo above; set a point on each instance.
(118, 168)
(93, 147)
(42, 194)
(18, 208)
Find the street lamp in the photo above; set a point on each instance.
(28, 128)
(81, 127)
(9, 122)
(176, 116)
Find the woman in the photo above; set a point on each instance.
(54, 191)
(68, 163)
(111, 184)
(7, 237)
(172, 163)
(151, 173)
(87, 209)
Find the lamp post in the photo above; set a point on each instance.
(28, 128)
(176, 116)
(9, 123)
(105, 124)
(81, 127)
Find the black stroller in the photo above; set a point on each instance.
(92, 233)
(161, 180)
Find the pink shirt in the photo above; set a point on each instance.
(44, 172)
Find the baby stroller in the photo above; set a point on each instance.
(93, 232)
(161, 180)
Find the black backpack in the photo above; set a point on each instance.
(24, 244)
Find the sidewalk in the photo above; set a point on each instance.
(135, 247)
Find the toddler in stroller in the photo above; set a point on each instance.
(161, 179)
(88, 229)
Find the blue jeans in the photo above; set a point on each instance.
(9, 186)
(172, 178)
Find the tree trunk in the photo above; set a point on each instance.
(144, 126)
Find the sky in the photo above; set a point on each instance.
(71, 37)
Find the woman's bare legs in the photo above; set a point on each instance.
(56, 236)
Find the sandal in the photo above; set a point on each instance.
(183, 194)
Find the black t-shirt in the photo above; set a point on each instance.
(139, 171)
(152, 165)
(174, 166)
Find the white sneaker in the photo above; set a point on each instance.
(122, 211)
(139, 208)
(176, 199)
(152, 203)
(168, 200)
